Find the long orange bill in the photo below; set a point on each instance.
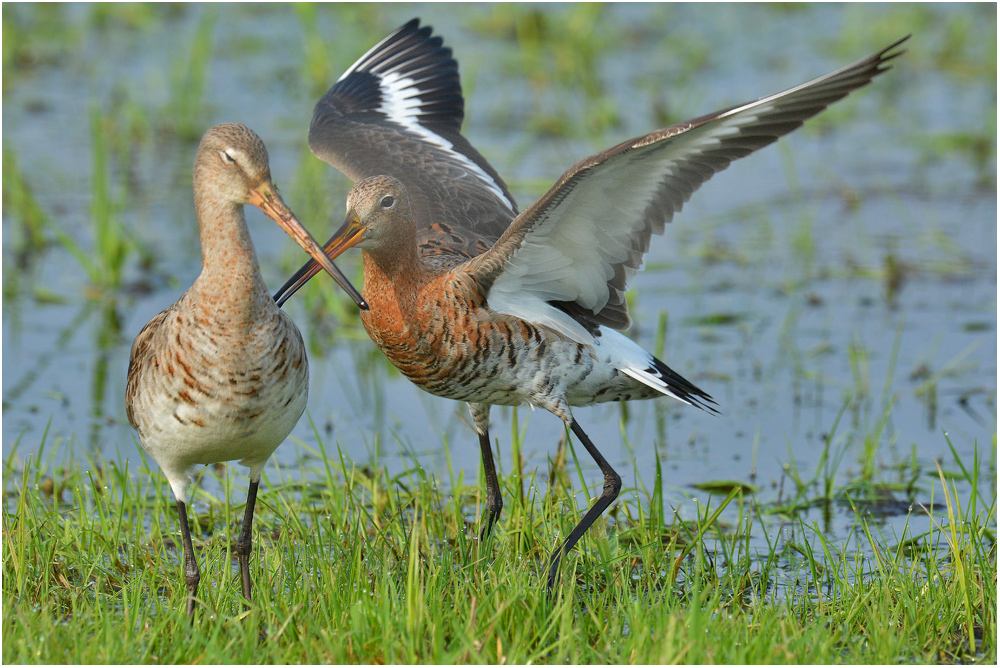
(267, 199)
(347, 236)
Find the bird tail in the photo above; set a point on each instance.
(637, 363)
(662, 378)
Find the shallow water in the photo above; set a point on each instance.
(851, 264)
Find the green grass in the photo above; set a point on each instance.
(351, 565)
(558, 51)
(34, 37)
(316, 66)
(111, 243)
(22, 205)
(185, 111)
(106, 262)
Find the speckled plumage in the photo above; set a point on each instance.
(436, 327)
(222, 374)
(476, 302)
(210, 384)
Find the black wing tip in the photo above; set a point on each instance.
(704, 402)
(685, 390)
(413, 28)
(410, 50)
(884, 57)
(884, 53)
(412, 25)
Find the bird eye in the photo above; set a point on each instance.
(227, 158)
(387, 202)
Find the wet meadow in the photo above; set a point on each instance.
(834, 292)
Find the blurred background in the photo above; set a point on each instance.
(835, 292)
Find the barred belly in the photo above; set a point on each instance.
(496, 360)
(214, 395)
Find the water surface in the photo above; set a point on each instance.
(849, 270)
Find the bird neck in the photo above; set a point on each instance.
(394, 275)
(230, 274)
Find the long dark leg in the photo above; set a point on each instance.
(494, 501)
(244, 544)
(612, 485)
(191, 575)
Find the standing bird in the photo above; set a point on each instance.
(222, 374)
(529, 313)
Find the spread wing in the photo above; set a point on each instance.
(567, 260)
(398, 111)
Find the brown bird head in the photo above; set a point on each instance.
(378, 219)
(233, 162)
(232, 169)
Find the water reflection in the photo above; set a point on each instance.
(850, 268)
(107, 336)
